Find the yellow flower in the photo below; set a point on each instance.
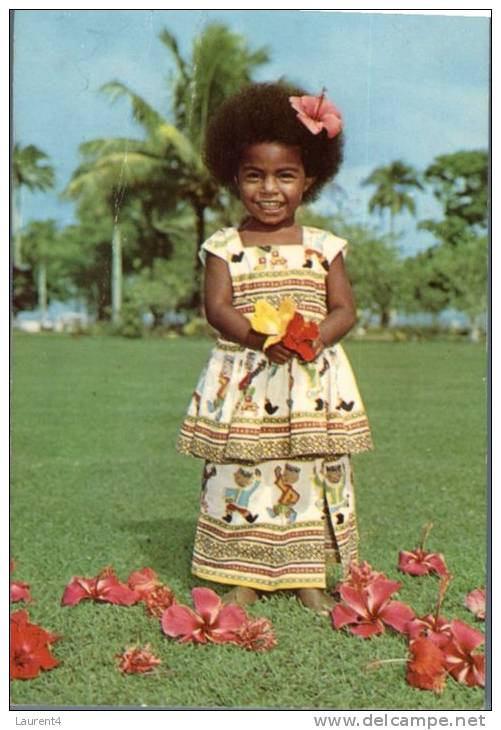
(270, 321)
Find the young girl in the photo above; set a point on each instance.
(276, 432)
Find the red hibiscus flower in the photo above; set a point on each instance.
(158, 601)
(419, 562)
(143, 582)
(19, 591)
(466, 667)
(256, 635)
(360, 576)
(434, 627)
(366, 610)
(475, 602)
(21, 619)
(105, 587)
(29, 648)
(426, 669)
(211, 621)
(317, 113)
(137, 661)
(300, 335)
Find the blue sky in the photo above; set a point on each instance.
(410, 86)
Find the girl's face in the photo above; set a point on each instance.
(272, 182)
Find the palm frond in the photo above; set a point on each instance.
(142, 112)
(169, 40)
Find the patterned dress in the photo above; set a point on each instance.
(277, 496)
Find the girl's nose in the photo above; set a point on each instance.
(269, 183)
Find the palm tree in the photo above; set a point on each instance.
(27, 172)
(39, 239)
(104, 179)
(392, 184)
(169, 160)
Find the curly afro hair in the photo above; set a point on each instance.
(262, 113)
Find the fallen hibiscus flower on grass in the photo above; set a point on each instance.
(475, 602)
(256, 635)
(213, 622)
(360, 575)
(210, 621)
(29, 647)
(419, 562)
(439, 647)
(365, 611)
(105, 587)
(19, 591)
(433, 626)
(143, 582)
(425, 668)
(149, 589)
(465, 666)
(137, 661)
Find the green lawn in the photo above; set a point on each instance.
(96, 480)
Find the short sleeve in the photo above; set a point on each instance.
(224, 243)
(327, 244)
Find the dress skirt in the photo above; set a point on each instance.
(276, 525)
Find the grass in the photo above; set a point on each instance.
(96, 480)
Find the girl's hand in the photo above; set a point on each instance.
(279, 354)
(318, 346)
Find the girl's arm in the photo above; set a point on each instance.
(221, 315)
(340, 303)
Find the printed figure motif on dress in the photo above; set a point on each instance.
(237, 497)
(269, 257)
(208, 472)
(314, 376)
(223, 380)
(311, 255)
(289, 496)
(330, 484)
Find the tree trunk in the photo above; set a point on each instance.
(17, 253)
(384, 317)
(116, 273)
(42, 292)
(475, 330)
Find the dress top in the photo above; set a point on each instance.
(246, 409)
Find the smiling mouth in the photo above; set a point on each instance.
(270, 205)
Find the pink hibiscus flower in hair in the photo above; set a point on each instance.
(365, 611)
(419, 562)
(466, 667)
(317, 113)
(475, 602)
(210, 621)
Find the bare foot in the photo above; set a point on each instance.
(316, 600)
(241, 595)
